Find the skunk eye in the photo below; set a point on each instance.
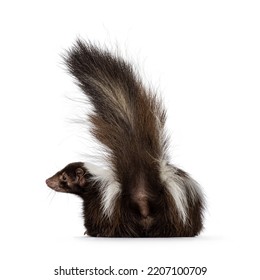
(64, 177)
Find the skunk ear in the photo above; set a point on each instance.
(80, 172)
(81, 180)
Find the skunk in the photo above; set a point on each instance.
(141, 194)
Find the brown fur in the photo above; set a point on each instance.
(129, 120)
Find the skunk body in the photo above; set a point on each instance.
(141, 194)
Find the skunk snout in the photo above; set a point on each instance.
(53, 183)
(49, 182)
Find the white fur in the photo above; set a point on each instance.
(178, 187)
(109, 187)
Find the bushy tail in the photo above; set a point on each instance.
(128, 118)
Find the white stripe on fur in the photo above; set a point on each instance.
(179, 186)
(109, 187)
(176, 189)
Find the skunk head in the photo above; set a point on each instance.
(71, 179)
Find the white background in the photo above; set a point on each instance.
(203, 57)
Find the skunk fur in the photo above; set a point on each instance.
(141, 194)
